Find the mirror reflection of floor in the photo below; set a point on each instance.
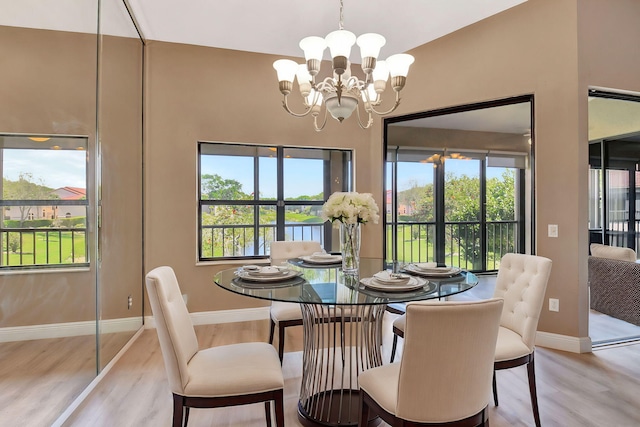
(39, 379)
(605, 329)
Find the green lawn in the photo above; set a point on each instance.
(62, 248)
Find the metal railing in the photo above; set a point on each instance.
(224, 241)
(416, 242)
(42, 247)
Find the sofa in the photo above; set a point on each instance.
(614, 282)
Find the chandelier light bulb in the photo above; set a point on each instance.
(398, 69)
(313, 48)
(340, 43)
(370, 44)
(286, 70)
(399, 64)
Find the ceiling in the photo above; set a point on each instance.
(276, 26)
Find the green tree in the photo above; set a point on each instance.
(500, 197)
(26, 188)
(214, 187)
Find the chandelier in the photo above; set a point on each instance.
(341, 93)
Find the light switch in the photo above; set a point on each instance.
(553, 230)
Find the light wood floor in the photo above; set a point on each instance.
(39, 379)
(597, 389)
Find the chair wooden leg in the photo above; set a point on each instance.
(394, 347)
(267, 412)
(364, 412)
(186, 416)
(272, 328)
(495, 389)
(280, 341)
(279, 407)
(178, 408)
(532, 390)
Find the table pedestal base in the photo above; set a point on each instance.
(339, 343)
(345, 404)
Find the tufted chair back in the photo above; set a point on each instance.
(177, 337)
(459, 356)
(284, 250)
(522, 282)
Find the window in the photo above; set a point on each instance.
(472, 224)
(40, 175)
(251, 195)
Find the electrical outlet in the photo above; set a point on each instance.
(129, 302)
(554, 304)
(553, 230)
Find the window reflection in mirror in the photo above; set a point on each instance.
(457, 184)
(44, 201)
(614, 205)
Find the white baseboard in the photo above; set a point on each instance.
(69, 329)
(563, 342)
(220, 316)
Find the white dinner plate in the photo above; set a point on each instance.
(333, 259)
(433, 272)
(413, 284)
(282, 275)
(392, 278)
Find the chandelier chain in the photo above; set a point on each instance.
(341, 25)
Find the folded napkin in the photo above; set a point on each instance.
(426, 265)
(392, 278)
(322, 255)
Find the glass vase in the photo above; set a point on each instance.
(350, 247)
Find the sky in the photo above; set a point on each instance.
(62, 168)
(55, 168)
(303, 176)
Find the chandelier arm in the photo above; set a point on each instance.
(285, 105)
(324, 122)
(391, 110)
(369, 121)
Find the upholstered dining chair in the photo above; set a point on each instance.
(522, 282)
(228, 375)
(286, 314)
(444, 375)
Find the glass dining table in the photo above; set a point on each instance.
(342, 324)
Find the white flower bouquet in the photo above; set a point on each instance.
(350, 208)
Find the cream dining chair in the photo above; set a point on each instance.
(227, 375)
(286, 314)
(444, 375)
(522, 283)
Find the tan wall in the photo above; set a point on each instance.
(49, 80)
(52, 90)
(120, 124)
(529, 49)
(198, 93)
(205, 94)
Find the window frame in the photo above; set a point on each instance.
(9, 141)
(280, 203)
